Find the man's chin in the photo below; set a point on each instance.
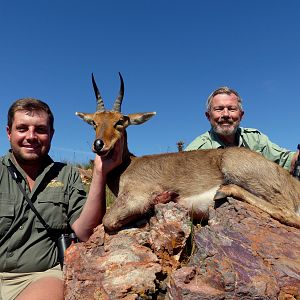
(30, 158)
(225, 130)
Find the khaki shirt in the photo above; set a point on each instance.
(249, 138)
(58, 195)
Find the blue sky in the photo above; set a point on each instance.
(171, 54)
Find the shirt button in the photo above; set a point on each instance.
(21, 227)
(10, 254)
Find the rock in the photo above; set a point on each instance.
(240, 254)
(131, 263)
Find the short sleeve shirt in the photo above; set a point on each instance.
(58, 196)
(249, 138)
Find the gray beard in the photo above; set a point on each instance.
(225, 132)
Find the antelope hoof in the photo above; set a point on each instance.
(220, 195)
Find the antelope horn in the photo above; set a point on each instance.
(118, 102)
(100, 103)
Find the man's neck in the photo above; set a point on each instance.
(31, 169)
(228, 140)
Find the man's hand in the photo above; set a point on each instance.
(105, 164)
(293, 162)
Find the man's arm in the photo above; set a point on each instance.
(293, 162)
(95, 206)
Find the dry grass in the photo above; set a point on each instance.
(86, 173)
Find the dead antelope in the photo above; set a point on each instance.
(194, 178)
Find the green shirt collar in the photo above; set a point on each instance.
(217, 143)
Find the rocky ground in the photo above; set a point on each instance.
(240, 254)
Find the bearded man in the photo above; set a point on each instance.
(225, 112)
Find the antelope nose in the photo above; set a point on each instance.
(98, 145)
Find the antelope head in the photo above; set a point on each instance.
(110, 125)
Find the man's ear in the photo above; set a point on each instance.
(51, 134)
(207, 115)
(242, 114)
(8, 132)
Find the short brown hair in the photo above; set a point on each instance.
(223, 90)
(29, 104)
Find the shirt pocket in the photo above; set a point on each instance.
(52, 206)
(6, 217)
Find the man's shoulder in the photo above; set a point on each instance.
(254, 138)
(200, 142)
(1, 164)
(4, 160)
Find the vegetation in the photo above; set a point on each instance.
(86, 171)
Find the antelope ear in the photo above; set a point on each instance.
(86, 117)
(140, 118)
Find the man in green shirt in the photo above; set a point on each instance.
(225, 112)
(29, 266)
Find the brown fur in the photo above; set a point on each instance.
(238, 172)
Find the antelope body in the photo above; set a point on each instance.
(193, 178)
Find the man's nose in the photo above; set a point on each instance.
(31, 134)
(225, 112)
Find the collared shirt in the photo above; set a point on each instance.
(249, 138)
(58, 195)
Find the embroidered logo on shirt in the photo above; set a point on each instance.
(55, 183)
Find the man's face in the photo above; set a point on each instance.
(225, 114)
(30, 136)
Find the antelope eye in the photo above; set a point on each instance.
(120, 123)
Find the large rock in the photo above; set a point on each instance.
(240, 254)
(130, 264)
